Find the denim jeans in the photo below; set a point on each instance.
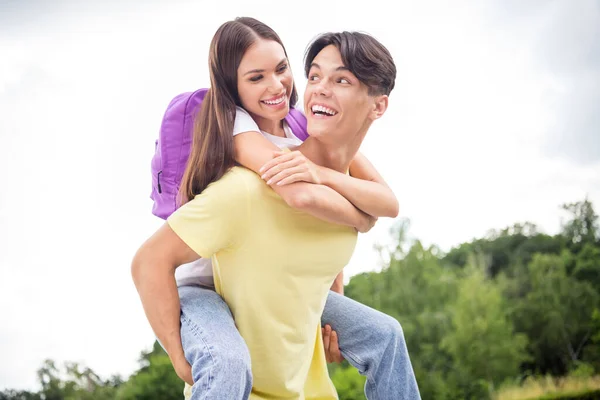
(370, 340)
(373, 343)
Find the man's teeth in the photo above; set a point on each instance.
(323, 109)
(276, 101)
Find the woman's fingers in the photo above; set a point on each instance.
(279, 157)
(298, 170)
(277, 168)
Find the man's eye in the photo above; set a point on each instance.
(256, 78)
(343, 80)
(313, 77)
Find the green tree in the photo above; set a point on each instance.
(591, 353)
(19, 395)
(69, 382)
(416, 290)
(483, 344)
(155, 380)
(53, 388)
(582, 226)
(586, 265)
(348, 382)
(508, 250)
(555, 314)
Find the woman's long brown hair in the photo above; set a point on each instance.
(212, 153)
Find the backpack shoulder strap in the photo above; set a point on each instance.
(297, 122)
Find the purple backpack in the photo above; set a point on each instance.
(174, 144)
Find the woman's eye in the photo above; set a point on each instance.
(282, 68)
(256, 78)
(343, 80)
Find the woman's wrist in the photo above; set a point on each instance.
(325, 175)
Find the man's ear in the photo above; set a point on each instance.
(379, 106)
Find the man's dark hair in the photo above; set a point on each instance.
(362, 54)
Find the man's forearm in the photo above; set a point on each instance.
(158, 291)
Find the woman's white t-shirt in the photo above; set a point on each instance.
(200, 272)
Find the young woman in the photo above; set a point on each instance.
(242, 120)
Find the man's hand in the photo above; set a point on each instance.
(289, 167)
(183, 369)
(330, 342)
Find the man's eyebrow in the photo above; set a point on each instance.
(340, 68)
(257, 71)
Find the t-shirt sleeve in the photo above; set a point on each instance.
(214, 220)
(243, 122)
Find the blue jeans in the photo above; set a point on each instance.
(373, 343)
(370, 340)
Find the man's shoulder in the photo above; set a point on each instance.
(238, 180)
(238, 175)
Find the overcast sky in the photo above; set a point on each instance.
(494, 120)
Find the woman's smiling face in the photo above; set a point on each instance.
(265, 81)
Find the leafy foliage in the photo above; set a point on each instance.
(497, 311)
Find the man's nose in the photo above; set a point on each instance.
(323, 88)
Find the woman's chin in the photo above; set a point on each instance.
(276, 113)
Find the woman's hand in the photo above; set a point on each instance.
(289, 167)
(367, 223)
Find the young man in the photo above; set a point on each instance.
(274, 265)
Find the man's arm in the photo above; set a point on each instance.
(253, 151)
(153, 269)
(215, 220)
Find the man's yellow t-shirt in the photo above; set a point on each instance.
(274, 266)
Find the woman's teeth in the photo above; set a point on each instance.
(274, 102)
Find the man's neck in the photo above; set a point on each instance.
(334, 156)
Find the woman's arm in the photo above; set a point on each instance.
(252, 151)
(365, 188)
(153, 272)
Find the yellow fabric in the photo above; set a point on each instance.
(187, 392)
(274, 266)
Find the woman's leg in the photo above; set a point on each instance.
(374, 343)
(213, 346)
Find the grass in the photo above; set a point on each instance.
(538, 387)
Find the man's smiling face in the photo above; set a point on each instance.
(336, 103)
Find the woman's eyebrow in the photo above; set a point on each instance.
(255, 71)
